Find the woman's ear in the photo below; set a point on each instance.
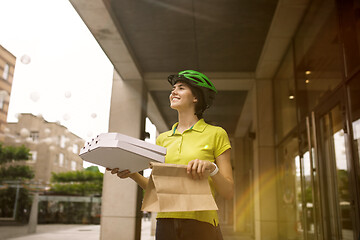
(195, 100)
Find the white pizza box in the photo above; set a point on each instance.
(115, 150)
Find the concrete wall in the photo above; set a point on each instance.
(44, 138)
(265, 204)
(120, 217)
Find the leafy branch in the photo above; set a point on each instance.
(10, 153)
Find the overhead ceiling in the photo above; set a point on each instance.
(208, 35)
(232, 41)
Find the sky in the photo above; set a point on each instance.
(68, 78)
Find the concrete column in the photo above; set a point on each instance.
(121, 199)
(265, 204)
(243, 178)
(34, 214)
(239, 214)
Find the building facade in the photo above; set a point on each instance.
(7, 67)
(317, 125)
(53, 147)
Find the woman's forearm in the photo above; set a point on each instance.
(223, 180)
(139, 179)
(224, 186)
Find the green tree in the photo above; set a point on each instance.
(16, 173)
(87, 183)
(343, 184)
(11, 178)
(11, 153)
(82, 183)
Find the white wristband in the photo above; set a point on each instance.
(216, 170)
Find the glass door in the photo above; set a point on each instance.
(292, 223)
(334, 162)
(309, 182)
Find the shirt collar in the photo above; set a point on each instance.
(199, 127)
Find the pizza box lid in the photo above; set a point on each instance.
(115, 150)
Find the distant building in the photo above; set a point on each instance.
(54, 148)
(7, 66)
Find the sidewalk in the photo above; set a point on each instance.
(61, 232)
(75, 232)
(69, 232)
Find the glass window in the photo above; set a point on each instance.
(61, 159)
(33, 156)
(356, 129)
(318, 62)
(338, 184)
(62, 141)
(291, 209)
(73, 165)
(308, 196)
(2, 102)
(350, 34)
(284, 97)
(75, 148)
(354, 89)
(311, 206)
(6, 72)
(34, 135)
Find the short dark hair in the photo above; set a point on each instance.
(200, 106)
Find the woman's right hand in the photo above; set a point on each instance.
(123, 174)
(138, 178)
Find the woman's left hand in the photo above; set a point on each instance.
(197, 168)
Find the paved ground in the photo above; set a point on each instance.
(62, 231)
(74, 232)
(89, 232)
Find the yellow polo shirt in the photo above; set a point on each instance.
(202, 141)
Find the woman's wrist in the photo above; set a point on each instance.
(134, 175)
(215, 171)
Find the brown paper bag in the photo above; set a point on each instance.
(170, 189)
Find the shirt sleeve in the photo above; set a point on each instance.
(222, 142)
(158, 141)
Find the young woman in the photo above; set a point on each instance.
(200, 146)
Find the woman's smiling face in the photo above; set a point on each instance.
(181, 97)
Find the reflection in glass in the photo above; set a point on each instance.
(354, 88)
(317, 55)
(309, 181)
(350, 31)
(334, 159)
(356, 129)
(285, 101)
(308, 196)
(291, 220)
